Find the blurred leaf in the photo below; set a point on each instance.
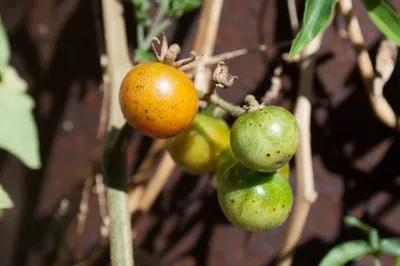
(4, 48)
(374, 239)
(5, 200)
(391, 246)
(385, 18)
(18, 133)
(143, 56)
(317, 15)
(141, 7)
(11, 79)
(345, 252)
(350, 220)
(180, 7)
(397, 262)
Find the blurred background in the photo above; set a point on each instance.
(356, 158)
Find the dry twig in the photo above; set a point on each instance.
(305, 191)
(83, 212)
(373, 83)
(272, 94)
(157, 182)
(136, 193)
(294, 20)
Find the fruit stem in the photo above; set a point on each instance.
(252, 103)
(234, 110)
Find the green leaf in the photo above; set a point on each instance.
(317, 15)
(374, 239)
(353, 221)
(385, 18)
(345, 252)
(143, 56)
(5, 200)
(391, 246)
(4, 48)
(180, 7)
(18, 132)
(141, 7)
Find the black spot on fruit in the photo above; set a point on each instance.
(146, 111)
(268, 154)
(278, 152)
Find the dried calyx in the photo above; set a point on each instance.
(168, 54)
(221, 77)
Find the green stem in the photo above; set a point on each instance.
(140, 34)
(158, 25)
(377, 262)
(234, 110)
(114, 163)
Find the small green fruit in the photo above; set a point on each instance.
(265, 139)
(254, 201)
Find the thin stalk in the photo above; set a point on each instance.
(377, 262)
(234, 110)
(140, 34)
(157, 26)
(114, 175)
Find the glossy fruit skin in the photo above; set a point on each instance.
(197, 148)
(158, 100)
(254, 201)
(265, 139)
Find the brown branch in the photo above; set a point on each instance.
(213, 60)
(294, 20)
(305, 190)
(373, 88)
(82, 215)
(205, 41)
(157, 182)
(136, 193)
(272, 95)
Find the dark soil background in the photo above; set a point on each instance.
(356, 158)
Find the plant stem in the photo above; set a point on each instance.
(234, 110)
(379, 104)
(157, 26)
(305, 190)
(114, 159)
(114, 175)
(140, 34)
(377, 262)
